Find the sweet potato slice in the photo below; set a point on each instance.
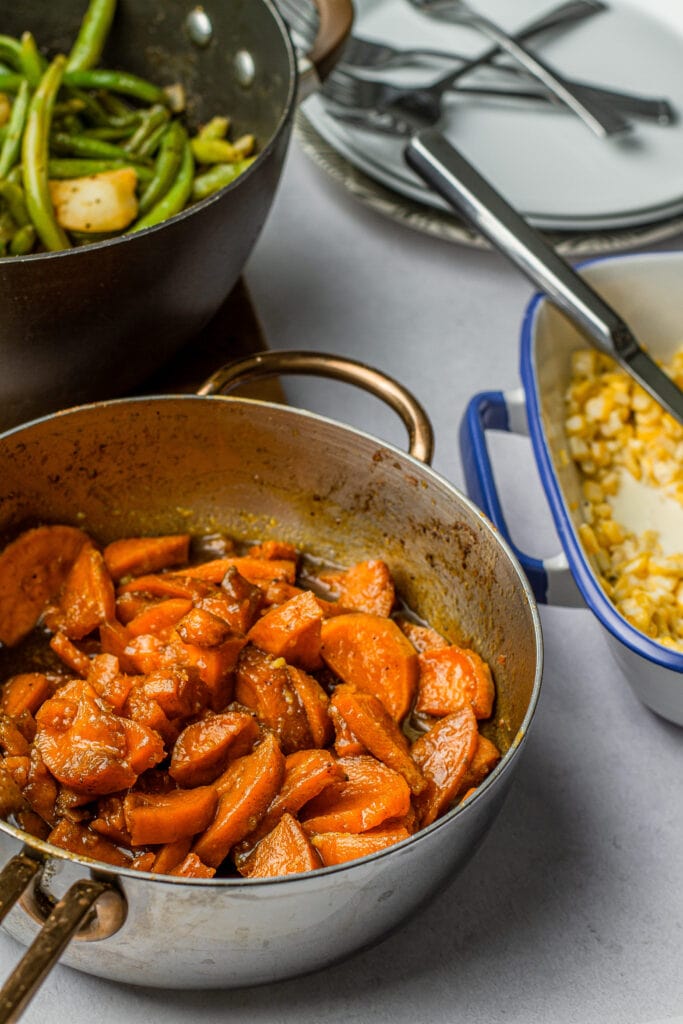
(134, 556)
(372, 724)
(25, 692)
(155, 818)
(192, 867)
(241, 601)
(106, 678)
(365, 587)
(215, 666)
(72, 656)
(203, 748)
(451, 678)
(81, 840)
(247, 789)
(165, 585)
(170, 855)
(111, 821)
(12, 740)
(32, 570)
(370, 795)
(340, 847)
(263, 684)
(315, 704)
(159, 618)
(286, 850)
(486, 757)
(87, 598)
(444, 755)
(372, 653)
(291, 631)
(41, 789)
(346, 743)
(423, 638)
(201, 627)
(258, 571)
(274, 549)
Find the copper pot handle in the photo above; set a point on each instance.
(77, 910)
(318, 364)
(336, 19)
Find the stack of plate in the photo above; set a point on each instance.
(589, 194)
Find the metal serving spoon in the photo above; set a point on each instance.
(447, 172)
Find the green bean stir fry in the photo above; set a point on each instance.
(88, 153)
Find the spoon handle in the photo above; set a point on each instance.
(447, 172)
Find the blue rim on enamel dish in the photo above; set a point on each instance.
(586, 580)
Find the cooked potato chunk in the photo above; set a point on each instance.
(98, 203)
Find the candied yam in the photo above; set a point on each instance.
(173, 689)
(12, 740)
(110, 821)
(200, 626)
(291, 631)
(242, 601)
(340, 847)
(129, 605)
(246, 791)
(486, 757)
(203, 748)
(423, 638)
(372, 724)
(259, 571)
(143, 861)
(87, 596)
(167, 585)
(444, 755)
(81, 840)
(41, 789)
(149, 713)
(11, 800)
(106, 679)
(346, 743)
(451, 678)
(372, 653)
(263, 684)
(365, 587)
(370, 795)
(72, 656)
(114, 638)
(148, 653)
(155, 818)
(170, 855)
(134, 556)
(159, 618)
(32, 570)
(274, 549)
(286, 850)
(215, 667)
(315, 703)
(25, 692)
(192, 867)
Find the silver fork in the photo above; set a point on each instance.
(595, 115)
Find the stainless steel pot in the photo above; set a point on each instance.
(94, 321)
(260, 470)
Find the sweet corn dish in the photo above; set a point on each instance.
(630, 455)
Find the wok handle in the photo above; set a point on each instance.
(76, 910)
(317, 364)
(336, 19)
(549, 578)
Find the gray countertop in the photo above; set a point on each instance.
(572, 910)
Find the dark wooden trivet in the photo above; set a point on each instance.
(233, 332)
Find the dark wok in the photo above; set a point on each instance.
(92, 322)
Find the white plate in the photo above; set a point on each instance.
(544, 160)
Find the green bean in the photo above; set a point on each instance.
(86, 146)
(117, 110)
(35, 158)
(16, 175)
(10, 51)
(92, 35)
(32, 63)
(151, 143)
(150, 120)
(71, 106)
(11, 147)
(166, 168)
(60, 167)
(176, 197)
(110, 133)
(218, 177)
(23, 240)
(15, 201)
(118, 81)
(10, 81)
(216, 128)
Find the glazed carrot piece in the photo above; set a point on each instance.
(72, 656)
(240, 601)
(203, 748)
(291, 631)
(81, 840)
(258, 571)
(263, 684)
(201, 627)
(307, 773)
(25, 692)
(170, 855)
(372, 653)
(486, 757)
(134, 556)
(371, 723)
(192, 867)
(365, 587)
(286, 850)
(87, 597)
(346, 743)
(247, 789)
(370, 795)
(158, 818)
(444, 754)
(340, 847)
(106, 678)
(315, 703)
(451, 678)
(274, 550)
(159, 618)
(32, 569)
(423, 638)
